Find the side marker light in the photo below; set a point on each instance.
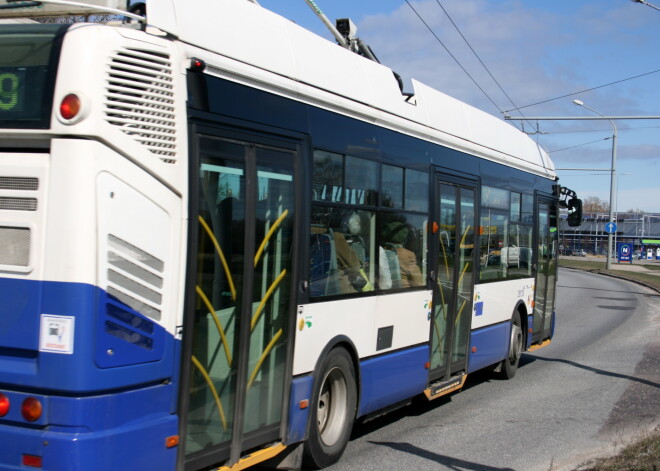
(172, 441)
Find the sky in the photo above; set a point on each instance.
(533, 51)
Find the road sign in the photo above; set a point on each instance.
(610, 227)
(625, 252)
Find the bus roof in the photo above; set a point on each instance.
(246, 32)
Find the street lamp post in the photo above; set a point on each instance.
(608, 263)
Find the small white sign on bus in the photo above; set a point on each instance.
(27, 9)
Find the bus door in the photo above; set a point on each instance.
(546, 268)
(240, 295)
(453, 274)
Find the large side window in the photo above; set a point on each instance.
(368, 226)
(506, 232)
(342, 243)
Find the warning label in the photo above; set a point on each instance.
(56, 334)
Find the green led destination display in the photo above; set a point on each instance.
(28, 63)
(12, 90)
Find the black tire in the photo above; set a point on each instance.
(509, 366)
(332, 410)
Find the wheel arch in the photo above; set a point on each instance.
(340, 341)
(521, 307)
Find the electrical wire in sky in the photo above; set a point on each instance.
(578, 145)
(454, 57)
(477, 56)
(583, 91)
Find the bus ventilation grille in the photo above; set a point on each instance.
(15, 241)
(140, 100)
(135, 277)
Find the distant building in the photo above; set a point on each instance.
(640, 229)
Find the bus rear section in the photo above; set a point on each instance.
(90, 258)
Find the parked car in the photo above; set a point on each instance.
(579, 253)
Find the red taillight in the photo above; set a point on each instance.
(32, 461)
(31, 409)
(70, 106)
(4, 405)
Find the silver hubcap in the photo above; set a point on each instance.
(515, 347)
(332, 405)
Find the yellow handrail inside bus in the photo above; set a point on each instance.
(465, 235)
(265, 353)
(208, 230)
(262, 304)
(272, 230)
(214, 391)
(221, 331)
(460, 279)
(460, 311)
(444, 255)
(437, 332)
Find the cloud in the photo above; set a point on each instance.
(535, 54)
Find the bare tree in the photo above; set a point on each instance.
(593, 204)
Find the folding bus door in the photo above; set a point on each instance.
(546, 264)
(454, 277)
(240, 295)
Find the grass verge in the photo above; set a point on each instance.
(648, 279)
(643, 455)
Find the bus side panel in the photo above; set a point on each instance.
(530, 326)
(406, 316)
(488, 346)
(496, 301)
(301, 389)
(392, 378)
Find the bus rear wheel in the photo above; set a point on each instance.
(333, 410)
(510, 364)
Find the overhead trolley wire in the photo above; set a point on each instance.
(453, 57)
(584, 91)
(477, 55)
(578, 145)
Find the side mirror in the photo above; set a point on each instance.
(574, 212)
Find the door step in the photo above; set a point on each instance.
(442, 388)
(545, 343)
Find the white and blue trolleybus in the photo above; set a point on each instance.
(224, 239)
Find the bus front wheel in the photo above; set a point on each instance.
(510, 364)
(333, 410)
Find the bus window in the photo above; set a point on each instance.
(392, 187)
(327, 181)
(342, 249)
(403, 242)
(361, 181)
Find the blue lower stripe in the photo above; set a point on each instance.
(491, 344)
(391, 378)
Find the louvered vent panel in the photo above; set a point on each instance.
(18, 204)
(135, 277)
(140, 100)
(15, 246)
(19, 183)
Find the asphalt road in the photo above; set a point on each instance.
(589, 392)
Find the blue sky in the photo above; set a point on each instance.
(536, 50)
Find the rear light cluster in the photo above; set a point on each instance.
(31, 408)
(4, 405)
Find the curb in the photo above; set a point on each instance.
(598, 272)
